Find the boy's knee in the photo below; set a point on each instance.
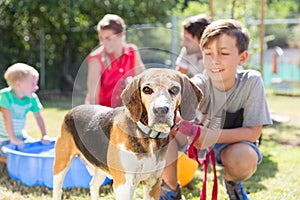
(238, 174)
(240, 161)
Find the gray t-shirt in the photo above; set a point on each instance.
(190, 62)
(247, 98)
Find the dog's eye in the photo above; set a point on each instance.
(147, 90)
(174, 90)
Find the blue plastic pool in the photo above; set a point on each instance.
(33, 165)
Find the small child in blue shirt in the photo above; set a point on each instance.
(16, 101)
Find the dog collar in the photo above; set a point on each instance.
(150, 132)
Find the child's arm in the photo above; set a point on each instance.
(210, 137)
(41, 124)
(9, 127)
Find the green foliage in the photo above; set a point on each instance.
(282, 33)
(281, 9)
(68, 28)
(192, 8)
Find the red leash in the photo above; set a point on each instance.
(189, 128)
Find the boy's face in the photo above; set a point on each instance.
(27, 86)
(221, 59)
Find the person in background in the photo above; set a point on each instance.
(188, 62)
(190, 59)
(16, 101)
(111, 65)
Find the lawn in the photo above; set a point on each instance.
(277, 177)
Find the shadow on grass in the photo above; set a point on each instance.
(287, 135)
(61, 103)
(61, 100)
(64, 103)
(9, 185)
(267, 169)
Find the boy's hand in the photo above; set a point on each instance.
(188, 128)
(199, 143)
(208, 138)
(45, 139)
(18, 142)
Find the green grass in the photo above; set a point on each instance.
(53, 114)
(277, 177)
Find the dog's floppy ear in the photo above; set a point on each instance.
(131, 98)
(191, 96)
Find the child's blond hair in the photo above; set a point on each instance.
(19, 72)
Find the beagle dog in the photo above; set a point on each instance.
(129, 143)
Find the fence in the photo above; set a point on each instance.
(281, 69)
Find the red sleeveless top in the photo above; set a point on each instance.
(113, 77)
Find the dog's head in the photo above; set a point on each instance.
(154, 96)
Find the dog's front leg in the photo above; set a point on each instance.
(125, 190)
(57, 185)
(151, 188)
(96, 182)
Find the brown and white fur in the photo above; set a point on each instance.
(111, 143)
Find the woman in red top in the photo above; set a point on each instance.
(111, 65)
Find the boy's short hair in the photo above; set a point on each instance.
(111, 22)
(195, 25)
(229, 27)
(19, 72)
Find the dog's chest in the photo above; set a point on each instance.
(141, 162)
(132, 152)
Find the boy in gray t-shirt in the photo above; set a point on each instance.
(234, 108)
(247, 94)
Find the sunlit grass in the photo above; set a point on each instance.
(277, 177)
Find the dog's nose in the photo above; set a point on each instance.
(161, 110)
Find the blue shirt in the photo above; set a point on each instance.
(19, 109)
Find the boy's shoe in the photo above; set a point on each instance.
(167, 194)
(235, 191)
